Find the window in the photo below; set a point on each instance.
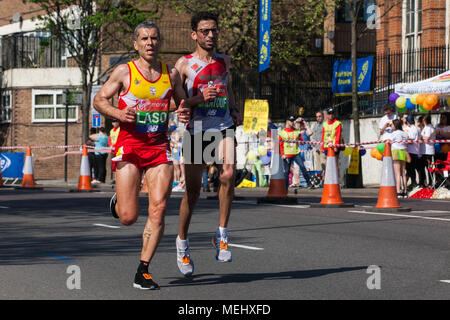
(48, 107)
(343, 13)
(6, 106)
(413, 17)
(412, 30)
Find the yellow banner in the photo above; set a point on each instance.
(256, 115)
(354, 162)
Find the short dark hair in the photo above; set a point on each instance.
(388, 106)
(427, 119)
(148, 25)
(203, 15)
(397, 124)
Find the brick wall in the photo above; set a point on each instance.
(389, 36)
(43, 134)
(9, 7)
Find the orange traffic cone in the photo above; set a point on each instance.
(277, 186)
(28, 171)
(331, 195)
(84, 181)
(387, 196)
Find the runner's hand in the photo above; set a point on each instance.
(183, 112)
(209, 93)
(129, 113)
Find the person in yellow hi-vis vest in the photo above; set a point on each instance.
(332, 132)
(290, 151)
(113, 135)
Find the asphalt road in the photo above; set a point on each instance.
(280, 252)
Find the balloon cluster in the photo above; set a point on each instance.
(426, 102)
(253, 154)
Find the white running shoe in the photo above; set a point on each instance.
(220, 242)
(184, 261)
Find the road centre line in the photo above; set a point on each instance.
(400, 215)
(445, 281)
(105, 226)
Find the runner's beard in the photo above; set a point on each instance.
(208, 48)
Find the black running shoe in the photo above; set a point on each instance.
(144, 281)
(112, 206)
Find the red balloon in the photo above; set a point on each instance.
(438, 104)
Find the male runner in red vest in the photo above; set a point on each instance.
(145, 87)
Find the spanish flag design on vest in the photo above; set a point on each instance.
(153, 100)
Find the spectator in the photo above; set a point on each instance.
(305, 133)
(290, 151)
(319, 157)
(413, 149)
(101, 142)
(176, 147)
(386, 121)
(427, 133)
(113, 135)
(91, 155)
(442, 133)
(399, 156)
(332, 133)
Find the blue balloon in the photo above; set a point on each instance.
(265, 160)
(362, 152)
(409, 105)
(437, 147)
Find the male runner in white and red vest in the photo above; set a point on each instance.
(206, 77)
(145, 87)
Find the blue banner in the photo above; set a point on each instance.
(12, 164)
(264, 34)
(341, 82)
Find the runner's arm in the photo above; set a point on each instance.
(111, 88)
(207, 93)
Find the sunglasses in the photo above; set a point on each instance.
(205, 32)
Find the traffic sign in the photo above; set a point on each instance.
(96, 120)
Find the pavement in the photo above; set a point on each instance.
(58, 244)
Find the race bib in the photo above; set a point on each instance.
(152, 115)
(215, 108)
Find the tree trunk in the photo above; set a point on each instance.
(355, 108)
(86, 107)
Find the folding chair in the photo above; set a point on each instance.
(439, 170)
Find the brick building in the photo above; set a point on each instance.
(413, 40)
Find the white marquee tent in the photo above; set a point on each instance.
(439, 85)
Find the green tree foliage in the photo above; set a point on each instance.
(294, 25)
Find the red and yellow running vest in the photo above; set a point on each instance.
(152, 111)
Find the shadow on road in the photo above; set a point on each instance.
(209, 279)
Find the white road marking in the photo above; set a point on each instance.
(300, 206)
(106, 226)
(401, 215)
(244, 247)
(445, 281)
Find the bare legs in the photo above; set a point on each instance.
(128, 179)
